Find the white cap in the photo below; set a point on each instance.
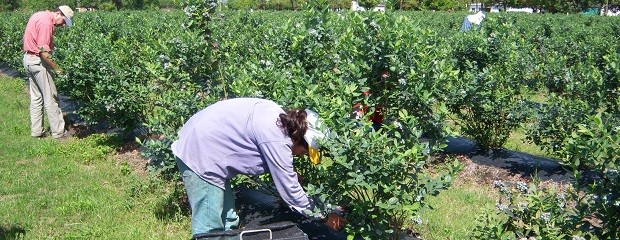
(314, 134)
(68, 12)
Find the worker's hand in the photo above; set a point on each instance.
(59, 72)
(335, 221)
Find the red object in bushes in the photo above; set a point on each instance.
(376, 116)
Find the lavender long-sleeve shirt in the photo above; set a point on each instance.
(241, 136)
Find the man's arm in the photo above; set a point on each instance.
(47, 58)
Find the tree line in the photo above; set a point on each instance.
(36, 5)
(568, 6)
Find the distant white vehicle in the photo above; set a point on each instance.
(85, 9)
(496, 8)
(474, 19)
(380, 7)
(525, 10)
(476, 7)
(612, 13)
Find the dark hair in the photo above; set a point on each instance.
(294, 124)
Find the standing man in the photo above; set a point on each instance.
(38, 45)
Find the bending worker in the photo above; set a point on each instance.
(243, 136)
(38, 45)
(474, 19)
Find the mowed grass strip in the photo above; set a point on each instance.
(456, 211)
(74, 189)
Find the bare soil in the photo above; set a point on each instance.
(130, 153)
(485, 175)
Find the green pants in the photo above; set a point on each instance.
(43, 94)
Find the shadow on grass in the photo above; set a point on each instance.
(122, 143)
(12, 232)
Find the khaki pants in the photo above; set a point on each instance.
(43, 94)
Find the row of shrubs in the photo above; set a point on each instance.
(105, 5)
(155, 69)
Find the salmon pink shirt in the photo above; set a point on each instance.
(39, 32)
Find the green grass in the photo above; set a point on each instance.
(73, 189)
(455, 211)
(517, 142)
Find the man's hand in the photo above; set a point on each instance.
(335, 221)
(46, 57)
(59, 72)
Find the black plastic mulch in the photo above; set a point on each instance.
(276, 231)
(514, 162)
(257, 209)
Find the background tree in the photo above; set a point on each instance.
(118, 4)
(8, 5)
(242, 4)
(293, 4)
(368, 4)
(446, 5)
(411, 4)
(340, 4)
(278, 5)
(43, 5)
(404, 4)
